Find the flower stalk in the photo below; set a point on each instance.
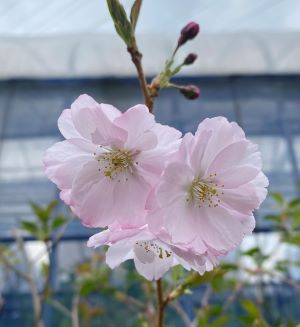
(160, 303)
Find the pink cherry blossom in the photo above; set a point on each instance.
(153, 255)
(209, 189)
(109, 161)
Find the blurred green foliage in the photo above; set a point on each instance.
(234, 294)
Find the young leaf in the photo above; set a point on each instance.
(134, 14)
(278, 198)
(121, 22)
(40, 212)
(30, 227)
(294, 203)
(58, 222)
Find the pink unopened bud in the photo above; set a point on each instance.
(190, 58)
(191, 92)
(188, 33)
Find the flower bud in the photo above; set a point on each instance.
(188, 33)
(190, 58)
(190, 92)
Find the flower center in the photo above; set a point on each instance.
(204, 192)
(146, 251)
(117, 161)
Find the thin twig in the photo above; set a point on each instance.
(238, 287)
(37, 306)
(57, 238)
(160, 304)
(10, 266)
(74, 312)
(128, 300)
(59, 307)
(206, 296)
(136, 58)
(181, 313)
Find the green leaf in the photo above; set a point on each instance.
(275, 218)
(294, 239)
(58, 222)
(278, 198)
(296, 216)
(45, 269)
(220, 322)
(252, 252)
(229, 266)
(250, 308)
(88, 287)
(135, 11)
(52, 205)
(217, 283)
(30, 227)
(195, 279)
(294, 203)
(177, 272)
(282, 265)
(121, 22)
(43, 214)
(40, 212)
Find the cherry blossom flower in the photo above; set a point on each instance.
(153, 255)
(210, 188)
(109, 161)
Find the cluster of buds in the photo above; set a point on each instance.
(189, 32)
(190, 92)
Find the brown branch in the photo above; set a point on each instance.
(36, 300)
(136, 58)
(160, 304)
(17, 271)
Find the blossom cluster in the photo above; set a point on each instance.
(163, 199)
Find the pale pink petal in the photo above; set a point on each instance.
(236, 154)
(146, 141)
(167, 135)
(66, 125)
(242, 199)
(63, 161)
(118, 253)
(154, 270)
(197, 153)
(236, 176)
(92, 195)
(110, 111)
(99, 239)
(130, 196)
(184, 151)
(65, 195)
(176, 179)
(136, 121)
(223, 134)
(260, 183)
(93, 123)
(180, 223)
(219, 229)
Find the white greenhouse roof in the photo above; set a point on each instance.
(76, 38)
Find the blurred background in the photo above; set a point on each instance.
(248, 70)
